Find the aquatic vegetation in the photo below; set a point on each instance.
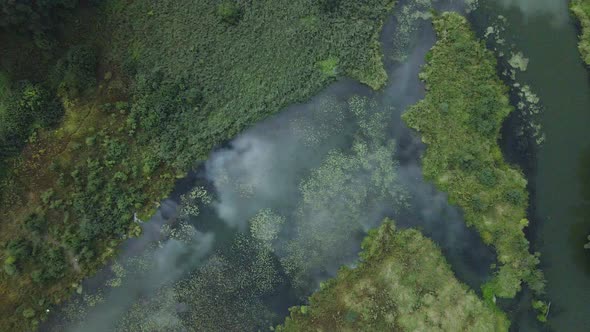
(529, 106)
(266, 225)
(471, 5)
(119, 273)
(351, 184)
(581, 9)
(222, 295)
(459, 120)
(402, 283)
(518, 61)
(327, 120)
(191, 201)
(408, 18)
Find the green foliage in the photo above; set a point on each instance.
(542, 309)
(581, 9)
(463, 157)
(229, 12)
(403, 283)
(33, 16)
(329, 66)
(22, 109)
(75, 73)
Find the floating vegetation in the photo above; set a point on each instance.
(518, 61)
(471, 5)
(326, 120)
(409, 17)
(266, 225)
(351, 184)
(528, 103)
(190, 202)
(119, 273)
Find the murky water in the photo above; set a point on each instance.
(559, 171)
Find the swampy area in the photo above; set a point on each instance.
(302, 165)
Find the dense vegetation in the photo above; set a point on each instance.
(460, 120)
(403, 283)
(581, 9)
(143, 90)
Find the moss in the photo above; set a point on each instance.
(463, 157)
(403, 283)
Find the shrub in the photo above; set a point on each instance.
(75, 73)
(229, 12)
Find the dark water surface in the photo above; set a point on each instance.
(559, 171)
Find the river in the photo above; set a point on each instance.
(559, 170)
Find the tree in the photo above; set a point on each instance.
(33, 16)
(75, 73)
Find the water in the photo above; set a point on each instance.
(558, 172)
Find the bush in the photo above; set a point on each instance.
(75, 73)
(29, 106)
(487, 177)
(229, 12)
(33, 16)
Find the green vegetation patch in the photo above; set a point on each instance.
(247, 59)
(459, 120)
(581, 9)
(402, 284)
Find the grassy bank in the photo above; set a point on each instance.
(170, 80)
(459, 120)
(403, 283)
